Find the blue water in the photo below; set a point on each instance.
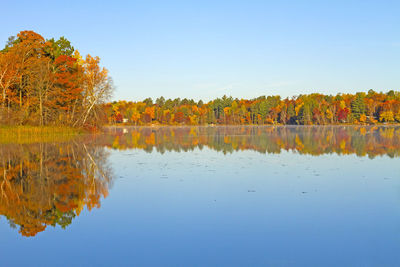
(206, 208)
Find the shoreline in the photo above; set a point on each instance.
(254, 125)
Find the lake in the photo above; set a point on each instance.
(204, 196)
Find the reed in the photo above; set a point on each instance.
(34, 134)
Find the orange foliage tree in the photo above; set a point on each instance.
(43, 82)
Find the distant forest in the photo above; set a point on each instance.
(311, 109)
(47, 82)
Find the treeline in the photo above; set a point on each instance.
(47, 82)
(312, 109)
(368, 141)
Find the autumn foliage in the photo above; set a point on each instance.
(46, 82)
(313, 109)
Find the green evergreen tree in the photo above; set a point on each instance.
(305, 114)
(291, 114)
(358, 106)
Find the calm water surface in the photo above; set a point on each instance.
(204, 196)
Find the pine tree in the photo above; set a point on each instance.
(358, 106)
(291, 113)
(305, 115)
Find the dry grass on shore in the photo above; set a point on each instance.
(36, 134)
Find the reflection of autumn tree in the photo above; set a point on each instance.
(359, 140)
(48, 184)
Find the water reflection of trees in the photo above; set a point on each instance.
(359, 140)
(50, 184)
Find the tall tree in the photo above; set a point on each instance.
(97, 89)
(358, 106)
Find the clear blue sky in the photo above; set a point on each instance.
(205, 49)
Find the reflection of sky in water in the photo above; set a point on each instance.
(245, 208)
